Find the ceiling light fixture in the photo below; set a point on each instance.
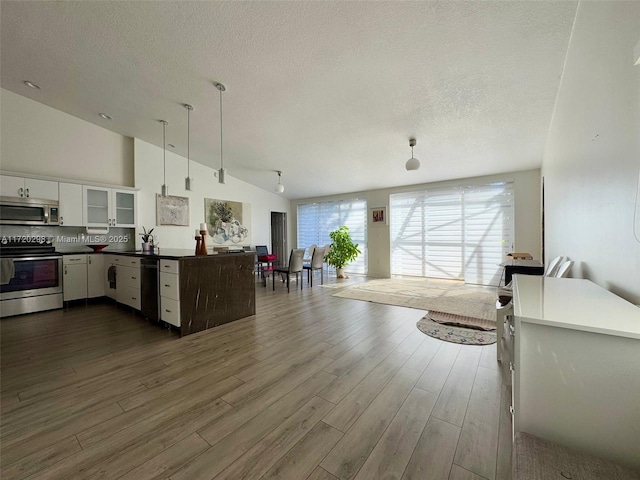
(222, 173)
(165, 189)
(413, 163)
(31, 85)
(187, 181)
(279, 186)
(105, 116)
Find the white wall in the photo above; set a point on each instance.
(592, 157)
(41, 140)
(149, 178)
(528, 231)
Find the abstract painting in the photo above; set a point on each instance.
(172, 210)
(228, 222)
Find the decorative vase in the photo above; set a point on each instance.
(340, 273)
(146, 246)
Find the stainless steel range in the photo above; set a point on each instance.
(30, 276)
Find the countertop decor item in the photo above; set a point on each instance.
(147, 239)
(98, 248)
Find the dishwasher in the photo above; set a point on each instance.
(150, 288)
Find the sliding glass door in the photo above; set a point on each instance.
(460, 232)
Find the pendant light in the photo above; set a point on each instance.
(165, 189)
(279, 186)
(413, 163)
(222, 173)
(187, 181)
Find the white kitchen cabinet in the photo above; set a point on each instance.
(575, 366)
(128, 280)
(97, 206)
(70, 208)
(95, 274)
(124, 208)
(170, 292)
(11, 186)
(75, 277)
(109, 207)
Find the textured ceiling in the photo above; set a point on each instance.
(327, 92)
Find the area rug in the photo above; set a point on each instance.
(461, 321)
(450, 333)
(427, 294)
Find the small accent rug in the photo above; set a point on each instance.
(450, 333)
(427, 294)
(461, 321)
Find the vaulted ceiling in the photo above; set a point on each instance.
(327, 92)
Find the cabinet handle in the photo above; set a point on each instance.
(166, 285)
(65, 270)
(26, 191)
(134, 278)
(512, 330)
(133, 298)
(89, 260)
(168, 311)
(510, 367)
(511, 410)
(21, 192)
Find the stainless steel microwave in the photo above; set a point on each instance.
(28, 211)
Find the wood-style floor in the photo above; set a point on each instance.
(312, 387)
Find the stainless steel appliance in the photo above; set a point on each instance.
(28, 211)
(30, 277)
(150, 289)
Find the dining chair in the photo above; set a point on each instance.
(311, 248)
(317, 262)
(295, 266)
(564, 269)
(265, 260)
(553, 266)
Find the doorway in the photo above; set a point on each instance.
(279, 236)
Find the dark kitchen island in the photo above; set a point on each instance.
(201, 292)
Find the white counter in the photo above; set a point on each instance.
(574, 303)
(576, 366)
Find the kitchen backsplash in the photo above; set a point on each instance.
(73, 239)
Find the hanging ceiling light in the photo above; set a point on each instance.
(165, 189)
(413, 163)
(279, 186)
(187, 181)
(222, 173)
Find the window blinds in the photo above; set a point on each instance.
(317, 220)
(460, 232)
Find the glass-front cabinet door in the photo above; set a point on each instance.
(124, 208)
(97, 206)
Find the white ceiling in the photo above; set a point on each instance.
(327, 92)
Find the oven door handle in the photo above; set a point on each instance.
(24, 259)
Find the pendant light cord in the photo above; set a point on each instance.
(164, 153)
(221, 157)
(188, 141)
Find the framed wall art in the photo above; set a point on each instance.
(378, 216)
(172, 210)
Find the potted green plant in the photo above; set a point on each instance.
(147, 239)
(343, 250)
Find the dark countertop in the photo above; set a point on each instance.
(170, 253)
(174, 253)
